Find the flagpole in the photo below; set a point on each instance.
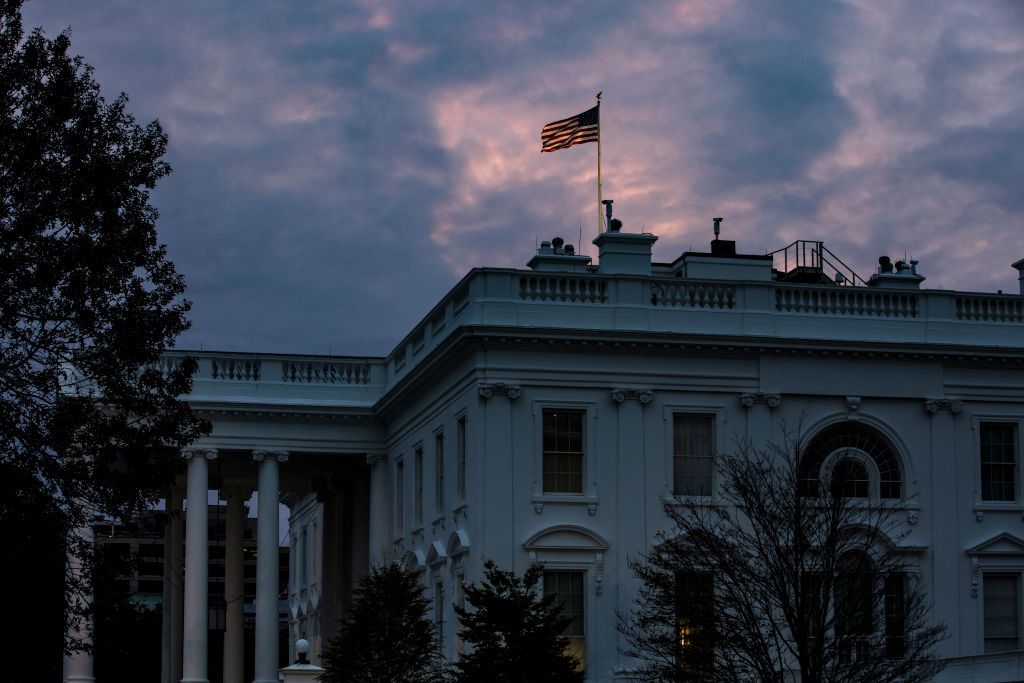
(599, 229)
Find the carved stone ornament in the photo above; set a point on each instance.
(512, 391)
(979, 515)
(599, 573)
(627, 394)
(853, 403)
(974, 577)
(592, 509)
(208, 453)
(538, 508)
(934, 405)
(912, 516)
(259, 456)
(770, 400)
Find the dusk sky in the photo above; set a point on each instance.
(338, 166)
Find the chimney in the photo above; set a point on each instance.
(623, 253)
(1019, 265)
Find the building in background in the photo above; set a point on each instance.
(548, 414)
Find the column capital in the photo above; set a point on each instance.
(208, 453)
(376, 459)
(261, 455)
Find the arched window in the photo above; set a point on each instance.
(851, 446)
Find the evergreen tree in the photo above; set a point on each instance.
(514, 633)
(387, 635)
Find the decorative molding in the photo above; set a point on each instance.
(460, 511)
(771, 400)
(975, 570)
(979, 515)
(486, 390)
(189, 453)
(538, 507)
(912, 516)
(438, 524)
(934, 405)
(261, 455)
(852, 404)
(632, 394)
(598, 573)
(592, 509)
(376, 459)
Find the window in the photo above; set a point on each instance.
(1002, 612)
(850, 441)
(693, 457)
(694, 607)
(567, 587)
(854, 603)
(850, 479)
(460, 601)
(998, 461)
(460, 447)
(418, 474)
(399, 496)
(439, 614)
(895, 615)
(563, 451)
(439, 472)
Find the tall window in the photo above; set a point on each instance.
(998, 461)
(1002, 612)
(439, 614)
(460, 446)
(418, 492)
(693, 458)
(895, 615)
(399, 496)
(563, 451)
(567, 587)
(439, 471)
(854, 620)
(694, 606)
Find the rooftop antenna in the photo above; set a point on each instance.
(718, 226)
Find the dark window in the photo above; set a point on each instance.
(399, 496)
(439, 472)
(460, 445)
(853, 606)
(847, 436)
(1002, 612)
(998, 461)
(418, 493)
(693, 458)
(567, 587)
(895, 615)
(563, 451)
(850, 479)
(694, 607)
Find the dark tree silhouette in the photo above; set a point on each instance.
(514, 634)
(777, 579)
(89, 299)
(387, 635)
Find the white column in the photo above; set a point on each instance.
(78, 667)
(234, 585)
(267, 543)
(171, 631)
(378, 507)
(196, 617)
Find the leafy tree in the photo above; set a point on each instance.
(387, 634)
(780, 579)
(89, 298)
(515, 634)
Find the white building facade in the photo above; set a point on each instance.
(548, 415)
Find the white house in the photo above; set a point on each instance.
(547, 414)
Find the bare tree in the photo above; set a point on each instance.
(783, 577)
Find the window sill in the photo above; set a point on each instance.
(571, 498)
(999, 506)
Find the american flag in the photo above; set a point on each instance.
(574, 130)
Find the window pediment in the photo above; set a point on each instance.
(566, 537)
(458, 543)
(1002, 545)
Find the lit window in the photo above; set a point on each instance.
(1002, 612)
(694, 608)
(998, 461)
(563, 451)
(693, 458)
(567, 587)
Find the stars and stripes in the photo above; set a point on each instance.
(574, 130)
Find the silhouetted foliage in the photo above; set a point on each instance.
(89, 299)
(387, 635)
(768, 583)
(513, 633)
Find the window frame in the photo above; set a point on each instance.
(980, 423)
(440, 496)
(461, 454)
(711, 418)
(588, 495)
(399, 530)
(417, 484)
(994, 572)
(718, 426)
(584, 570)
